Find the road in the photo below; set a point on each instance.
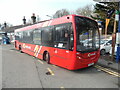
(19, 70)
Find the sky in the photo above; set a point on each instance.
(13, 11)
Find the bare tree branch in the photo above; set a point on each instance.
(85, 11)
(61, 13)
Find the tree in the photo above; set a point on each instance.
(61, 13)
(85, 11)
(102, 9)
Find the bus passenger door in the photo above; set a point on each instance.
(61, 38)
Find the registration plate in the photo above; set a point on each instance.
(90, 64)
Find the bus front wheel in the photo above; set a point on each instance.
(46, 57)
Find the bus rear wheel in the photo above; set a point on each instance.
(46, 57)
(20, 48)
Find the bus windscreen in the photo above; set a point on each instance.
(87, 34)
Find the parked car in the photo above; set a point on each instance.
(105, 46)
(115, 50)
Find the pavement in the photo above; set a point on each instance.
(106, 61)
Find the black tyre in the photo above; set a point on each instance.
(102, 52)
(46, 57)
(20, 48)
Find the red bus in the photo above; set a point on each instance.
(71, 42)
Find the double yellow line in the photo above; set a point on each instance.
(51, 72)
(108, 71)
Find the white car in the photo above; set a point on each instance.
(105, 46)
(115, 50)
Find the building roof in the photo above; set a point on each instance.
(11, 29)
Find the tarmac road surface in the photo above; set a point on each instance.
(19, 70)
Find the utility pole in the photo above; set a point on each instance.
(114, 33)
(114, 36)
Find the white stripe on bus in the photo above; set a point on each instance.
(39, 51)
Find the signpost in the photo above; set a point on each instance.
(118, 39)
(114, 34)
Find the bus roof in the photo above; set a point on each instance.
(61, 20)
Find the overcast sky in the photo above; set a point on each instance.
(12, 11)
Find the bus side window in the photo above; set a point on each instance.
(16, 35)
(37, 36)
(47, 39)
(21, 36)
(62, 35)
